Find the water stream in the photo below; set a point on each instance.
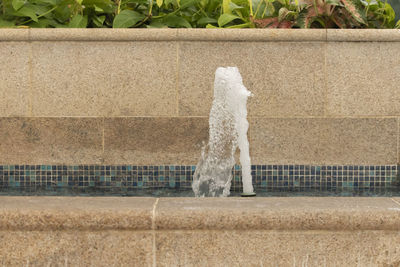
(228, 130)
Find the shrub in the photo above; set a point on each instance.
(197, 13)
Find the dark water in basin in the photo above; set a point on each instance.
(189, 193)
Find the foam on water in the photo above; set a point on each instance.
(228, 131)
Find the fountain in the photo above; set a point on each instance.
(228, 131)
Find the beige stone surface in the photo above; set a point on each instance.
(359, 141)
(323, 141)
(163, 34)
(154, 140)
(104, 78)
(75, 213)
(287, 78)
(15, 78)
(108, 231)
(362, 79)
(347, 35)
(93, 34)
(305, 213)
(14, 35)
(278, 248)
(363, 35)
(253, 35)
(50, 140)
(75, 248)
(284, 141)
(396, 200)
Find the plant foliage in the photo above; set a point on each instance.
(197, 14)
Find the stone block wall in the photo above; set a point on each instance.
(140, 96)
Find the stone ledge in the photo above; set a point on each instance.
(118, 213)
(363, 35)
(75, 213)
(241, 35)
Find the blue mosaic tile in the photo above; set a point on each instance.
(123, 178)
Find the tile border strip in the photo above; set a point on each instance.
(123, 179)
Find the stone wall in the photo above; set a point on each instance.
(142, 96)
(85, 231)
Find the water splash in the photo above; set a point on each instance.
(228, 131)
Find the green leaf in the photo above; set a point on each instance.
(174, 21)
(98, 20)
(159, 3)
(78, 21)
(17, 4)
(6, 24)
(282, 13)
(27, 12)
(127, 18)
(42, 23)
(233, 6)
(47, 2)
(226, 18)
(390, 14)
(187, 3)
(306, 18)
(98, 9)
(240, 26)
(355, 8)
(106, 5)
(172, 2)
(157, 24)
(206, 20)
(209, 26)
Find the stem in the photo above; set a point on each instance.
(265, 9)
(147, 17)
(251, 7)
(258, 7)
(151, 8)
(44, 14)
(119, 7)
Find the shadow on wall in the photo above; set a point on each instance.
(396, 6)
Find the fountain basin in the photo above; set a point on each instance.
(79, 102)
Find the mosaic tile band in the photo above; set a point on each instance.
(125, 178)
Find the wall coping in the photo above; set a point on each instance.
(139, 213)
(233, 35)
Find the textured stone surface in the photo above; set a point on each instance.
(14, 79)
(287, 78)
(347, 35)
(280, 141)
(363, 35)
(104, 78)
(323, 141)
(362, 79)
(14, 35)
(154, 140)
(52, 231)
(397, 201)
(359, 141)
(278, 214)
(75, 248)
(75, 213)
(93, 34)
(270, 248)
(254, 35)
(50, 140)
